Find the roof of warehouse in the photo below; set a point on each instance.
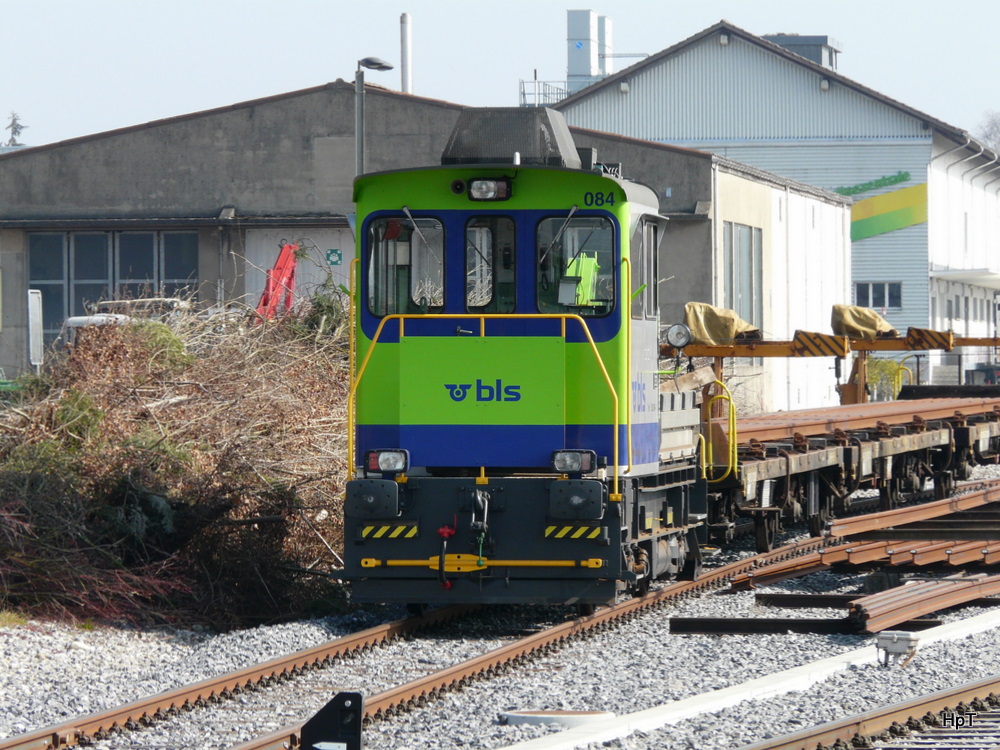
(726, 163)
(950, 131)
(370, 88)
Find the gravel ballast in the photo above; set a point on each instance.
(52, 673)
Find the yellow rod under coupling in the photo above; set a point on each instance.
(462, 563)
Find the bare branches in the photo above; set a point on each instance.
(159, 448)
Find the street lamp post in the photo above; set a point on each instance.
(372, 63)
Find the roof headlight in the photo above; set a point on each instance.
(489, 190)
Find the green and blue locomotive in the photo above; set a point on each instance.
(509, 436)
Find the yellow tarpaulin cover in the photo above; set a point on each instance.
(860, 323)
(716, 325)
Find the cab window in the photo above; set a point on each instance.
(489, 264)
(405, 266)
(575, 265)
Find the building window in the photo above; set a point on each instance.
(75, 269)
(884, 295)
(744, 271)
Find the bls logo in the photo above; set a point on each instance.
(484, 392)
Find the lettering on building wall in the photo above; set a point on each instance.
(881, 182)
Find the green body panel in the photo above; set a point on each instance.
(559, 383)
(430, 189)
(440, 362)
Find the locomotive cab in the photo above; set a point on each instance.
(509, 440)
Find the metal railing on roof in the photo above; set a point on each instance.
(536, 93)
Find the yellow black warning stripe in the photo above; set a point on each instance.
(926, 338)
(572, 531)
(809, 344)
(389, 531)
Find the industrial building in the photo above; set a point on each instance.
(925, 225)
(200, 203)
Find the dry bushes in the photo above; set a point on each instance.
(170, 470)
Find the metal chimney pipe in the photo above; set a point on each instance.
(405, 39)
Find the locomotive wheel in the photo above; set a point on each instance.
(765, 527)
(585, 610)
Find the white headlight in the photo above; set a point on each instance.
(387, 462)
(489, 190)
(574, 462)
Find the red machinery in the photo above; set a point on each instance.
(280, 284)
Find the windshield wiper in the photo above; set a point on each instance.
(555, 240)
(430, 247)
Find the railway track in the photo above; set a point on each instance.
(389, 702)
(962, 717)
(85, 730)
(158, 707)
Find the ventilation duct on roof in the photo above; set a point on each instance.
(493, 135)
(822, 50)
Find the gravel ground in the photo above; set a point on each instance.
(54, 672)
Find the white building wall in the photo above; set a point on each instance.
(806, 265)
(964, 243)
(811, 274)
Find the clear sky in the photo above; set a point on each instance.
(76, 67)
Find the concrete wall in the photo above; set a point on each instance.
(288, 156)
(291, 154)
(680, 177)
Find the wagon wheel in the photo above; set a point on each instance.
(890, 493)
(818, 521)
(765, 527)
(944, 485)
(827, 504)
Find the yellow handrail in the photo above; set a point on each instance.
(704, 443)
(352, 344)
(482, 317)
(627, 325)
(731, 452)
(897, 378)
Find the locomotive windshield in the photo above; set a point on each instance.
(406, 266)
(576, 268)
(490, 264)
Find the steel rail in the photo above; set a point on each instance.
(783, 425)
(418, 691)
(873, 723)
(161, 705)
(901, 604)
(989, 493)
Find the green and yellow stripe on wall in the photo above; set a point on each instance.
(889, 212)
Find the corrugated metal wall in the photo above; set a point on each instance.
(715, 92)
(899, 256)
(833, 164)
